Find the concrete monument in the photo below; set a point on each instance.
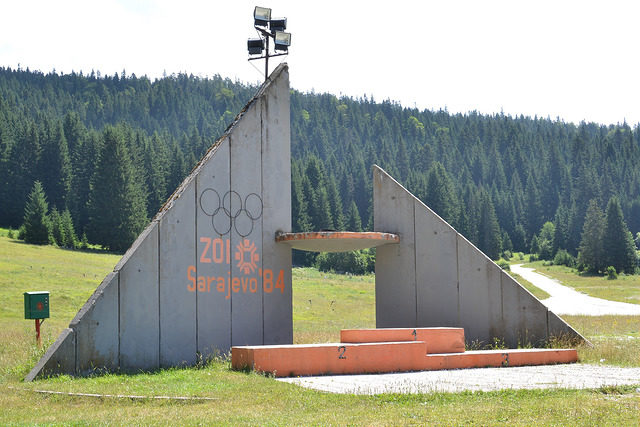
(213, 268)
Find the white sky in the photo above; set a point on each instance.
(577, 60)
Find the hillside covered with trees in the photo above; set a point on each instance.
(506, 183)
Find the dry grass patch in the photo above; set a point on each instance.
(615, 339)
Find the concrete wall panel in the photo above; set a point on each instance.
(177, 229)
(436, 269)
(480, 293)
(276, 213)
(455, 283)
(139, 304)
(559, 329)
(60, 358)
(393, 210)
(213, 261)
(525, 318)
(246, 203)
(96, 328)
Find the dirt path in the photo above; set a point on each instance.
(566, 300)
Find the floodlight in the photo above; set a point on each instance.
(278, 24)
(255, 46)
(261, 16)
(282, 41)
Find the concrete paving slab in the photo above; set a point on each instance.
(573, 376)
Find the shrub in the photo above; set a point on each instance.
(611, 273)
(62, 229)
(10, 233)
(21, 232)
(564, 258)
(84, 242)
(353, 262)
(503, 265)
(507, 255)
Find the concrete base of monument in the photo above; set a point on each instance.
(407, 350)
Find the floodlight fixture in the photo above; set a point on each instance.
(277, 24)
(261, 16)
(268, 29)
(282, 41)
(255, 46)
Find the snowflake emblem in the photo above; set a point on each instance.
(247, 256)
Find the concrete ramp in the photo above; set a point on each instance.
(436, 277)
(206, 273)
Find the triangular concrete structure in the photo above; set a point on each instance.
(436, 277)
(206, 273)
(213, 268)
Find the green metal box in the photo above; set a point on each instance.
(36, 305)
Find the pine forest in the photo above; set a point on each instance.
(92, 158)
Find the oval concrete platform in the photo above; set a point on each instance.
(336, 241)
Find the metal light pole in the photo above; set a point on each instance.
(267, 29)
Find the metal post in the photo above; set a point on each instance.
(38, 333)
(266, 62)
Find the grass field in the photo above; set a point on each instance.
(323, 304)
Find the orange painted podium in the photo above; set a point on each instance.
(370, 351)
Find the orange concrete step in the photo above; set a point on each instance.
(499, 358)
(344, 358)
(325, 359)
(439, 340)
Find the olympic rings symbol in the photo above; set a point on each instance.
(231, 211)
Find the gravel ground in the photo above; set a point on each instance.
(566, 300)
(574, 376)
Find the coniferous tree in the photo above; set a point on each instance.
(354, 223)
(519, 239)
(335, 204)
(618, 245)
(489, 240)
(440, 194)
(561, 223)
(117, 205)
(37, 228)
(534, 213)
(57, 232)
(591, 249)
(22, 171)
(155, 175)
(634, 216)
(55, 165)
(66, 223)
(5, 148)
(322, 218)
